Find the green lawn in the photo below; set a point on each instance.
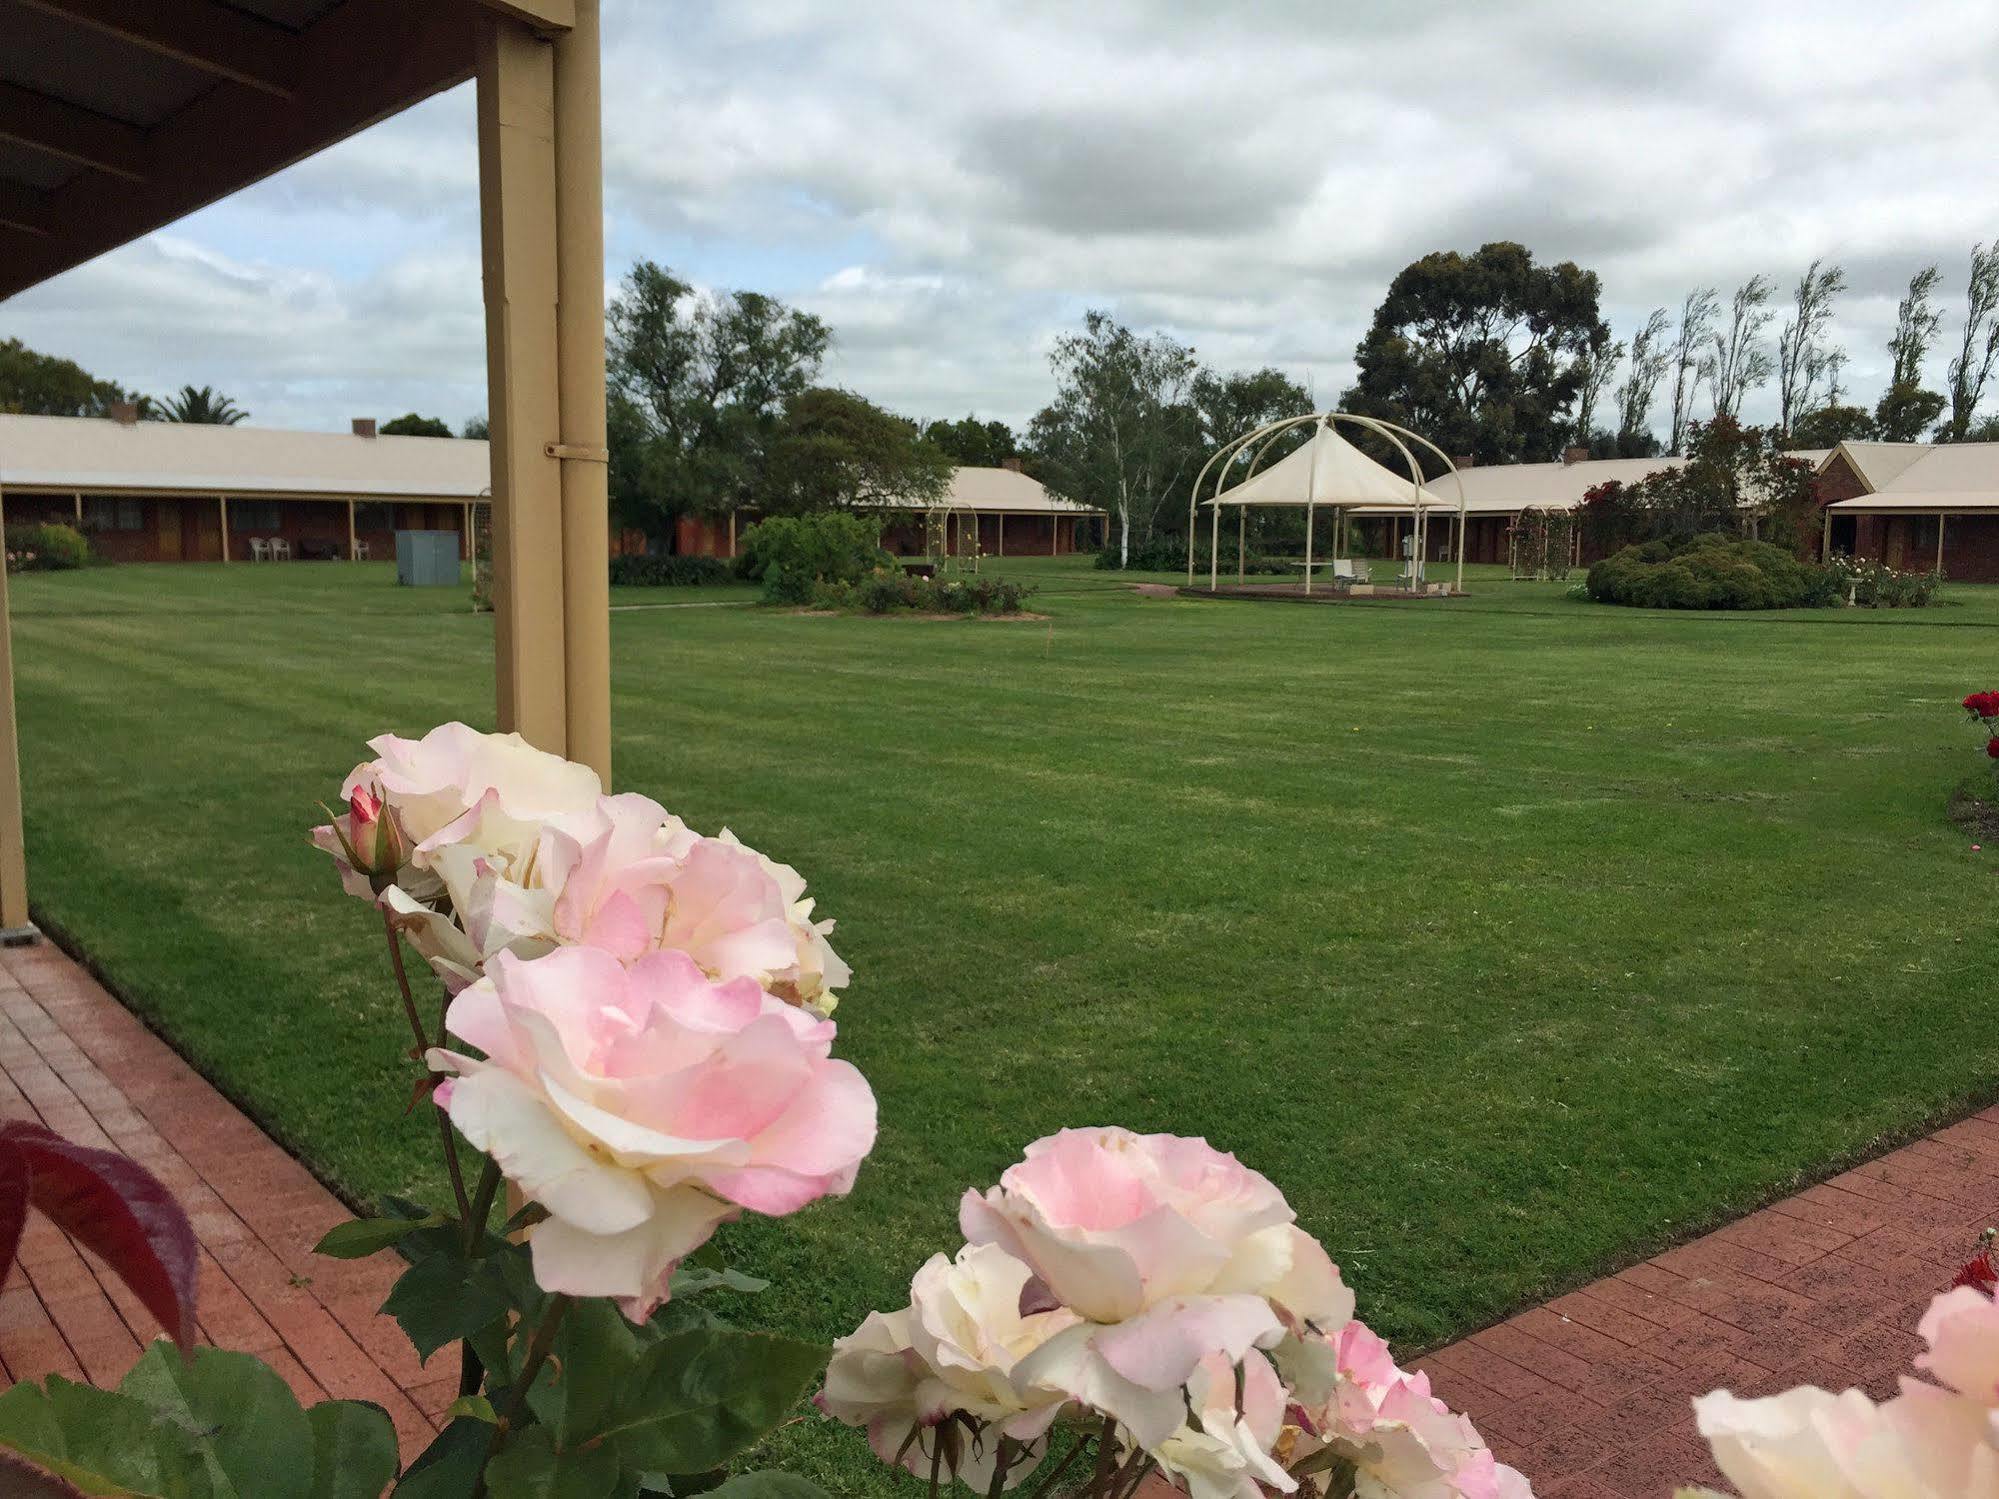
(1513, 936)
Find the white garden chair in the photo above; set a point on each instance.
(360, 551)
(281, 550)
(260, 549)
(1347, 572)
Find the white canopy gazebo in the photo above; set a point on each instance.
(1325, 471)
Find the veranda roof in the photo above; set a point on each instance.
(1331, 471)
(99, 455)
(1953, 476)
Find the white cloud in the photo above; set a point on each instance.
(950, 185)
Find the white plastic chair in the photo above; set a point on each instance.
(360, 551)
(281, 550)
(260, 549)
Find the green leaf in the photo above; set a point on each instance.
(365, 1236)
(354, 1448)
(688, 1282)
(768, 1485)
(449, 1467)
(698, 1398)
(240, 1416)
(97, 1440)
(530, 1467)
(443, 1299)
(474, 1408)
(595, 1349)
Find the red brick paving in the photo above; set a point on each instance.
(75, 1059)
(1588, 1395)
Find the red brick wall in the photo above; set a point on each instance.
(1840, 481)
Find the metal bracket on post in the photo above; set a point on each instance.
(580, 455)
(20, 936)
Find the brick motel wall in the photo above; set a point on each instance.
(189, 529)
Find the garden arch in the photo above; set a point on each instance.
(1541, 544)
(1258, 443)
(951, 534)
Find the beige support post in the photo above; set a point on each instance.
(1825, 540)
(732, 533)
(465, 535)
(1939, 542)
(1241, 542)
(1215, 546)
(999, 534)
(353, 540)
(586, 506)
(14, 926)
(222, 511)
(79, 509)
(516, 109)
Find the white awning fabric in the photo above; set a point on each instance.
(1330, 471)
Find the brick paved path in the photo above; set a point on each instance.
(74, 1058)
(1587, 1395)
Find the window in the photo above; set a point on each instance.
(109, 513)
(256, 515)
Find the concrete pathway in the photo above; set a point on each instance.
(1588, 1395)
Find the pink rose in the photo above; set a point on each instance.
(1115, 1223)
(951, 1352)
(1962, 1330)
(644, 1105)
(1172, 1251)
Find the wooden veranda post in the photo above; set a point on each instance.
(222, 517)
(353, 543)
(516, 109)
(542, 244)
(584, 439)
(14, 927)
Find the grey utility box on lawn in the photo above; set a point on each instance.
(427, 559)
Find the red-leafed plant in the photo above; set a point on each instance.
(112, 1206)
(182, 1420)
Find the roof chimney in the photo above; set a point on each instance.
(125, 413)
(364, 426)
(1575, 455)
(1011, 465)
(1466, 461)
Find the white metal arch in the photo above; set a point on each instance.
(1269, 432)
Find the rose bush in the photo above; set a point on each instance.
(1155, 1297)
(643, 1106)
(478, 844)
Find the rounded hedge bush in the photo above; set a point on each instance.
(1710, 572)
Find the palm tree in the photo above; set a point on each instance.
(202, 405)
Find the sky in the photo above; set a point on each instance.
(951, 185)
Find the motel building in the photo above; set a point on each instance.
(167, 492)
(145, 491)
(1000, 510)
(1915, 505)
(1912, 505)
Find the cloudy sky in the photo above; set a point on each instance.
(951, 184)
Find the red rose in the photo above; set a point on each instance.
(1992, 748)
(1982, 704)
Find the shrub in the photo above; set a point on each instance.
(1875, 585)
(1710, 572)
(669, 572)
(795, 553)
(889, 591)
(1168, 554)
(46, 549)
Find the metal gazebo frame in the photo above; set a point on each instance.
(1268, 434)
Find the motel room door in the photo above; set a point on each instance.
(167, 526)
